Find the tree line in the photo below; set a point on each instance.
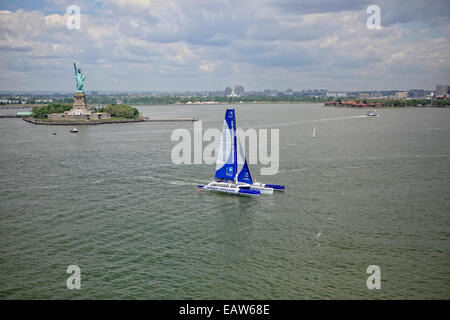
(115, 110)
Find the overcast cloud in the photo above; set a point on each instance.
(207, 45)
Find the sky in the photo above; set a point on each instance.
(197, 45)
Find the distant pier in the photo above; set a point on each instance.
(13, 116)
(5, 106)
(172, 120)
(97, 122)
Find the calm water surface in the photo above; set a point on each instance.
(366, 191)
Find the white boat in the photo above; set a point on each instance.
(314, 132)
(229, 187)
(74, 130)
(372, 113)
(232, 172)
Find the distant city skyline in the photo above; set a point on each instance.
(167, 46)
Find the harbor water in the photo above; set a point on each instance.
(364, 191)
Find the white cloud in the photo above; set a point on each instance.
(168, 45)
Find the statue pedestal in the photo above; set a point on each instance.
(79, 101)
(79, 111)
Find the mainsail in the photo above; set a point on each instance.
(226, 166)
(231, 161)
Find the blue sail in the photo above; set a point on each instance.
(243, 175)
(226, 167)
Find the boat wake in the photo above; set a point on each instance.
(183, 183)
(292, 170)
(166, 179)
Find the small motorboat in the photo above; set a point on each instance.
(372, 113)
(74, 130)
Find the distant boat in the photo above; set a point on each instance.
(54, 133)
(74, 130)
(372, 113)
(314, 132)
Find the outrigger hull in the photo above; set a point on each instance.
(261, 189)
(274, 187)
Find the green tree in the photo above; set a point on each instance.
(121, 111)
(42, 112)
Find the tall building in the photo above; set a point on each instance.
(228, 91)
(239, 90)
(416, 93)
(442, 90)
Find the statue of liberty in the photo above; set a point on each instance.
(79, 77)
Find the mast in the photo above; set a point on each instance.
(235, 149)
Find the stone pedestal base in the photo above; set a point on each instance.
(79, 102)
(79, 111)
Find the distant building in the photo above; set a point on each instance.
(94, 93)
(442, 90)
(228, 91)
(239, 90)
(336, 94)
(24, 114)
(416, 93)
(232, 94)
(376, 94)
(401, 94)
(364, 95)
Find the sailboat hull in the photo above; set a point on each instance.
(229, 188)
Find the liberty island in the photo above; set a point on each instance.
(79, 110)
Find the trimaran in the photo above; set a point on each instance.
(232, 171)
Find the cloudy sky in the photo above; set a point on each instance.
(208, 45)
